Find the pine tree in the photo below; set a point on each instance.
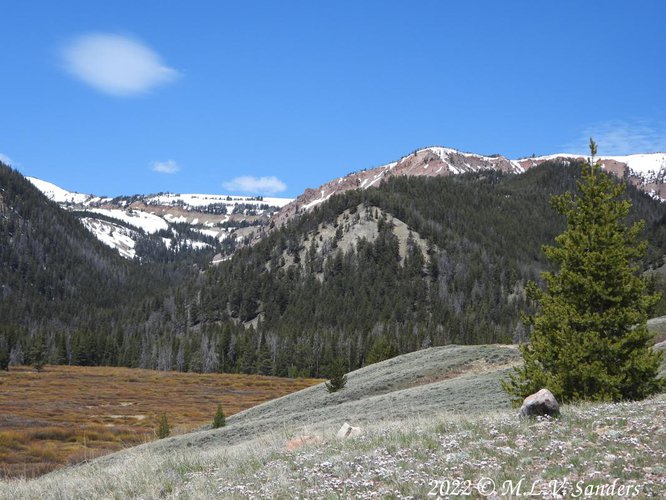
(589, 338)
(338, 377)
(163, 430)
(4, 354)
(218, 419)
(381, 350)
(38, 353)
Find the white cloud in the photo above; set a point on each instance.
(165, 167)
(256, 185)
(6, 160)
(622, 137)
(115, 64)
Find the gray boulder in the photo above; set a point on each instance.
(540, 404)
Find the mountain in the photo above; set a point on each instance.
(68, 295)
(363, 275)
(177, 222)
(54, 274)
(414, 262)
(646, 171)
(224, 223)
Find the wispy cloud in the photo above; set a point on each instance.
(256, 185)
(6, 160)
(622, 137)
(165, 167)
(116, 65)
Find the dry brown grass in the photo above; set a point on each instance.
(69, 414)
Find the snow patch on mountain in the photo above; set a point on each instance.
(197, 244)
(649, 167)
(58, 194)
(112, 235)
(150, 223)
(202, 200)
(220, 234)
(323, 198)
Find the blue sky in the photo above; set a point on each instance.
(274, 97)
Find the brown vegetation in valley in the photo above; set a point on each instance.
(69, 414)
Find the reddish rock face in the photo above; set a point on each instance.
(429, 162)
(436, 161)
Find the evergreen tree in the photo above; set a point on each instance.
(4, 353)
(338, 377)
(381, 350)
(163, 430)
(38, 353)
(589, 339)
(218, 419)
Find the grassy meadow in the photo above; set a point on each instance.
(434, 423)
(593, 450)
(67, 414)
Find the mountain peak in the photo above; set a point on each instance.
(647, 171)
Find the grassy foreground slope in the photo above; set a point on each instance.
(419, 383)
(427, 417)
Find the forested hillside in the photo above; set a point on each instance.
(310, 300)
(59, 286)
(365, 275)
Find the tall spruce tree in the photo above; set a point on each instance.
(589, 338)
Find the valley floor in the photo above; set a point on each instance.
(69, 414)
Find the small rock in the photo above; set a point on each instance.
(542, 403)
(456, 457)
(348, 431)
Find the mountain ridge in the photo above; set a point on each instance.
(217, 222)
(645, 170)
(253, 217)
